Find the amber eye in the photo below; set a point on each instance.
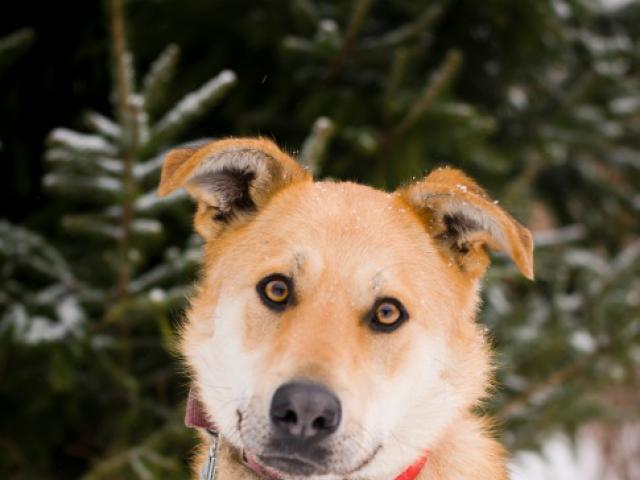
(275, 291)
(387, 314)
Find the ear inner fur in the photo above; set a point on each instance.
(461, 216)
(230, 185)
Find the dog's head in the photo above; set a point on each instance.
(333, 331)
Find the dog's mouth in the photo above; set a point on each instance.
(279, 465)
(277, 461)
(282, 462)
(290, 465)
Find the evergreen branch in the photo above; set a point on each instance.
(174, 265)
(122, 72)
(16, 40)
(82, 185)
(140, 120)
(405, 33)
(143, 307)
(520, 402)
(150, 203)
(150, 169)
(103, 125)
(81, 142)
(108, 467)
(85, 163)
(314, 146)
(360, 11)
(119, 53)
(560, 236)
(165, 463)
(192, 106)
(101, 226)
(298, 45)
(139, 468)
(396, 76)
(146, 227)
(21, 246)
(305, 11)
(432, 90)
(14, 44)
(540, 389)
(159, 75)
(92, 225)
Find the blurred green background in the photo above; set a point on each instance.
(539, 100)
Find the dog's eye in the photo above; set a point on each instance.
(275, 291)
(387, 314)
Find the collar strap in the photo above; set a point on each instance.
(414, 470)
(196, 417)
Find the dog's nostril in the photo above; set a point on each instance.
(302, 411)
(320, 423)
(290, 417)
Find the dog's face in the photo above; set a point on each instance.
(333, 333)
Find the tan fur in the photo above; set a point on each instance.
(346, 244)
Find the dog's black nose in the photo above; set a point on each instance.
(305, 411)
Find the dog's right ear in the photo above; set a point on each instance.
(230, 179)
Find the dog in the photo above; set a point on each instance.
(332, 334)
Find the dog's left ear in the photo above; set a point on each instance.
(230, 179)
(463, 220)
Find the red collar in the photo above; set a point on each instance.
(196, 417)
(414, 470)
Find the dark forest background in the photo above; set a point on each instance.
(537, 99)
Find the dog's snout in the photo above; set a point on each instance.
(305, 411)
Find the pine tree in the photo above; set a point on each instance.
(112, 305)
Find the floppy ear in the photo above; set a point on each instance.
(230, 179)
(463, 220)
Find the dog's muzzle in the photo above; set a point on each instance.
(303, 414)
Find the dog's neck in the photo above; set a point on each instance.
(466, 451)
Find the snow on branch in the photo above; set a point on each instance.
(159, 76)
(83, 185)
(103, 125)
(315, 144)
(193, 105)
(82, 142)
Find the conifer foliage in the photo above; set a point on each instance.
(100, 329)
